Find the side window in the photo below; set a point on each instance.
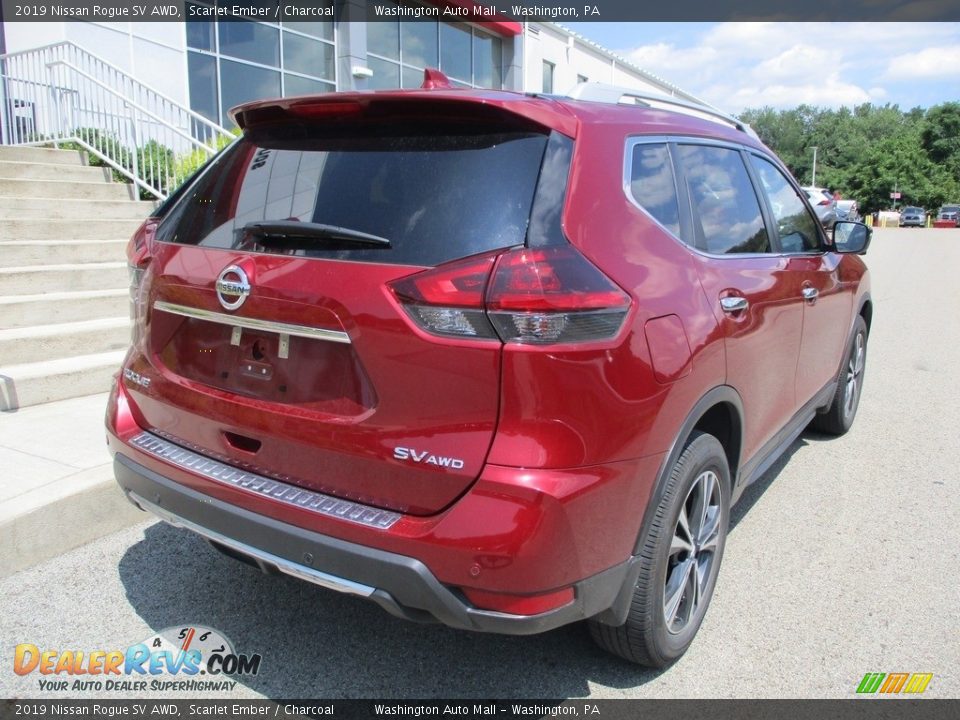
(652, 184)
(726, 212)
(796, 226)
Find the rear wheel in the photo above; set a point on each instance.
(843, 408)
(680, 560)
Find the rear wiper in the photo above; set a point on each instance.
(293, 232)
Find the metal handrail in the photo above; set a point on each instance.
(61, 93)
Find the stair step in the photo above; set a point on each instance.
(59, 252)
(60, 278)
(44, 209)
(47, 342)
(57, 190)
(25, 153)
(19, 170)
(18, 231)
(42, 382)
(18, 311)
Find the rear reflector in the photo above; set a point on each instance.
(526, 295)
(519, 604)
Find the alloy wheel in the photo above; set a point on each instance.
(690, 560)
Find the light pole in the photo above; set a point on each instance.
(813, 179)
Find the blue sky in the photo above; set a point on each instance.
(740, 65)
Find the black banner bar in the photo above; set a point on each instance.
(480, 11)
(583, 709)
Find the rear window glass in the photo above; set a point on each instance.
(652, 184)
(436, 197)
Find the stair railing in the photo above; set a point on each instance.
(63, 95)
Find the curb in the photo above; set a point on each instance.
(48, 521)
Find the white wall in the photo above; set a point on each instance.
(154, 53)
(573, 57)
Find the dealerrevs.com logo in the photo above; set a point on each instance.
(186, 658)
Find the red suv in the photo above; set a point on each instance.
(496, 360)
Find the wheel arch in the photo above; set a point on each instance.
(720, 413)
(866, 311)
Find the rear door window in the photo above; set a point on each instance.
(435, 196)
(726, 212)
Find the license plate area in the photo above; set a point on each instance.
(251, 363)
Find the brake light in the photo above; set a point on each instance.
(825, 202)
(526, 295)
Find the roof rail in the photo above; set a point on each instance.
(602, 92)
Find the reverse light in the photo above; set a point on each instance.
(529, 296)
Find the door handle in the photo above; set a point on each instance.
(810, 293)
(734, 304)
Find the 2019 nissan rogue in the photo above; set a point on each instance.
(503, 361)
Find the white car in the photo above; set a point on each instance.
(823, 204)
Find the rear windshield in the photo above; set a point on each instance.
(434, 196)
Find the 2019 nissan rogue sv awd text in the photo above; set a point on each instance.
(497, 360)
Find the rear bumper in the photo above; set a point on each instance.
(402, 585)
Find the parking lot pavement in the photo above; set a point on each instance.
(841, 560)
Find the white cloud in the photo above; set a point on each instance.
(931, 63)
(739, 65)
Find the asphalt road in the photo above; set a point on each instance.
(842, 560)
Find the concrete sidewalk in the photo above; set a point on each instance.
(57, 490)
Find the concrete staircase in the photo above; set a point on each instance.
(64, 317)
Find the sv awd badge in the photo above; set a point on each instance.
(425, 458)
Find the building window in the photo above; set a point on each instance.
(229, 63)
(398, 53)
(548, 68)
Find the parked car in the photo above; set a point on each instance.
(848, 210)
(912, 216)
(433, 348)
(948, 216)
(823, 204)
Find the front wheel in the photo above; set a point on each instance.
(839, 416)
(679, 560)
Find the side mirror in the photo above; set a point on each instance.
(851, 237)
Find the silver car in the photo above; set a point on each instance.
(848, 210)
(823, 204)
(913, 217)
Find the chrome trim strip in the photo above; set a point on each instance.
(282, 492)
(252, 323)
(316, 577)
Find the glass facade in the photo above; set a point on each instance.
(229, 63)
(398, 52)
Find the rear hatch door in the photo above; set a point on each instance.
(285, 352)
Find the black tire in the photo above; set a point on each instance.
(839, 416)
(648, 637)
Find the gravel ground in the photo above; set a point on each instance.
(841, 560)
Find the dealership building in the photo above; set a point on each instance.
(210, 65)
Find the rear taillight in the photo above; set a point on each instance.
(825, 202)
(448, 300)
(527, 295)
(138, 257)
(553, 295)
